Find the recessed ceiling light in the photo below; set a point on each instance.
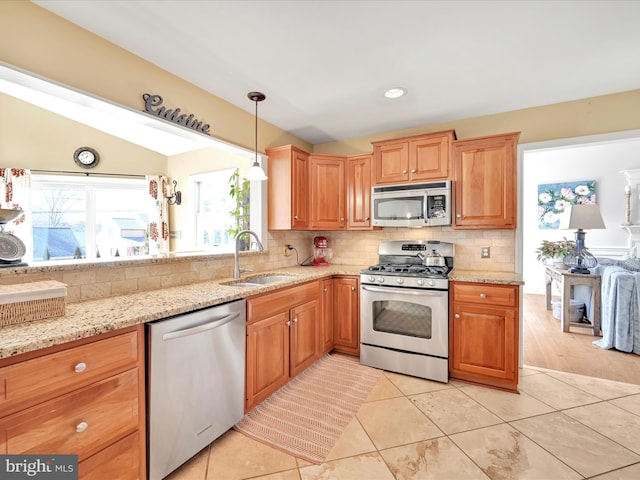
(395, 92)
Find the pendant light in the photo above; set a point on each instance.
(255, 172)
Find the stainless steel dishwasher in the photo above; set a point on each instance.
(195, 382)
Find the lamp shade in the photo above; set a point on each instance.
(585, 217)
(256, 173)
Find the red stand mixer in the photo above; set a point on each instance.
(321, 253)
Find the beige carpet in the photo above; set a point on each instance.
(306, 417)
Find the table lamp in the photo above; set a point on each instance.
(580, 217)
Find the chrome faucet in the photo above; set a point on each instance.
(236, 264)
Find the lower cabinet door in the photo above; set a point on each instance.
(305, 330)
(484, 343)
(120, 460)
(346, 315)
(83, 422)
(267, 357)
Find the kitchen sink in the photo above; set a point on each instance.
(241, 284)
(257, 281)
(270, 279)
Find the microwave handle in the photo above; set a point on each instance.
(425, 213)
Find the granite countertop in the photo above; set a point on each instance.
(483, 276)
(85, 319)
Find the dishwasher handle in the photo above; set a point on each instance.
(218, 322)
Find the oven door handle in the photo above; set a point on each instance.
(404, 291)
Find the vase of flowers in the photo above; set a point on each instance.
(552, 252)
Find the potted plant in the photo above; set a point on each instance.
(554, 250)
(239, 192)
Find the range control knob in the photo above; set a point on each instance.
(432, 283)
(380, 279)
(372, 278)
(420, 282)
(399, 281)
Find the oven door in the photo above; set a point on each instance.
(405, 319)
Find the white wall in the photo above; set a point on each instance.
(601, 162)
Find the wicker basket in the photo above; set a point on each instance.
(25, 302)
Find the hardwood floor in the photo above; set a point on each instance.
(546, 346)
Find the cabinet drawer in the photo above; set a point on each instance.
(82, 422)
(484, 294)
(120, 460)
(27, 383)
(269, 304)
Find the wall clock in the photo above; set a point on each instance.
(86, 157)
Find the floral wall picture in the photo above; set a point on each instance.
(553, 198)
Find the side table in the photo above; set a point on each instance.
(566, 282)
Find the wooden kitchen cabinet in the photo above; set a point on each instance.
(484, 175)
(288, 192)
(328, 192)
(283, 329)
(412, 159)
(359, 192)
(85, 398)
(327, 289)
(346, 315)
(484, 334)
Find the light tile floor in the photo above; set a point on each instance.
(560, 426)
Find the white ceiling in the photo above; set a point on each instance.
(324, 65)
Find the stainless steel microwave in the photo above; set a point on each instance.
(412, 204)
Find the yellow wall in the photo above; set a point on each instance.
(31, 137)
(608, 113)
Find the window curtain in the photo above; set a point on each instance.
(15, 193)
(158, 226)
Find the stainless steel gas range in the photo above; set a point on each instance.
(404, 309)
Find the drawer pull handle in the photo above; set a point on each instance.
(483, 295)
(81, 427)
(80, 367)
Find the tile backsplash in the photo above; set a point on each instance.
(101, 280)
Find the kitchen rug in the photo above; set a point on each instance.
(306, 417)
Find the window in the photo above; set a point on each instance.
(215, 223)
(88, 218)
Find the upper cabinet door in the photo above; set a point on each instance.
(413, 159)
(328, 192)
(485, 182)
(300, 191)
(391, 163)
(359, 192)
(288, 192)
(429, 158)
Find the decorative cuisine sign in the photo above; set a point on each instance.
(153, 106)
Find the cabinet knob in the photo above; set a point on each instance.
(458, 215)
(366, 218)
(457, 315)
(483, 295)
(295, 319)
(342, 219)
(413, 170)
(80, 367)
(404, 171)
(295, 217)
(353, 289)
(288, 323)
(81, 427)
